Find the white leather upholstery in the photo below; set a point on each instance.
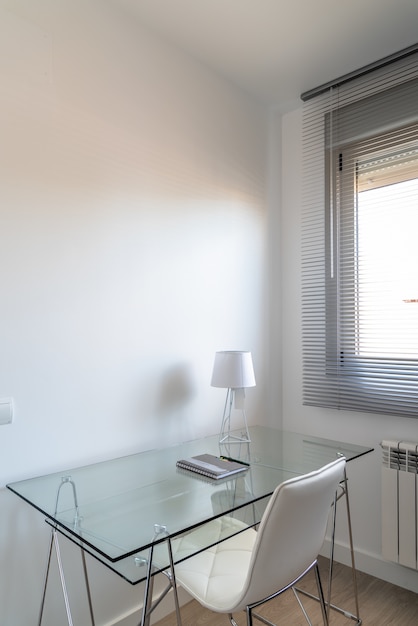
(252, 565)
(218, 573)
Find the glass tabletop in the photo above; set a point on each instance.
(119, 508)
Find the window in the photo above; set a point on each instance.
(360, 254)
(386, 278)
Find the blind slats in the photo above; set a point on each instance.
(359, 257)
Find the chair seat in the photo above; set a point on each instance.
(216, 576)
(250, 567)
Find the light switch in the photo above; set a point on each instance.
(6, 410)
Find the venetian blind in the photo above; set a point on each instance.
(359, 255)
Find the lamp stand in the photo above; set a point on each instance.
(234, 397)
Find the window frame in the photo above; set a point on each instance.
(344, 357)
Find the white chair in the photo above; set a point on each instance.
(252, 567)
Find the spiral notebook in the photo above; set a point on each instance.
(212, 466)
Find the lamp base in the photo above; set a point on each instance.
(226, 436)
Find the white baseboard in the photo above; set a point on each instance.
(132, 617)
(374, 565)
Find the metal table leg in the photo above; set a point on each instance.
(149, 605)
(65, 481)
(55, 543)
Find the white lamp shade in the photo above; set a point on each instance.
(233, 370)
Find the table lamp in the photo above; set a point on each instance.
(233, 370)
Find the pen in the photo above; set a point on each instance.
(228, 458)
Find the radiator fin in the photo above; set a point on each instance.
(400, 502)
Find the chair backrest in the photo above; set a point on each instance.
(292, 531)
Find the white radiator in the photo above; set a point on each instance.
(399, 502)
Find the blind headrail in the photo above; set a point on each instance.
(366, 69)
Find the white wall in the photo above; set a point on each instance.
(135, 242)
(365, 429)
(133, 245)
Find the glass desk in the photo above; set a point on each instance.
(131, 512)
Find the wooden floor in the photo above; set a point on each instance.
(381, 604)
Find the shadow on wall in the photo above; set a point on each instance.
(177, 390)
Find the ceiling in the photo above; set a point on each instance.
(277, 49)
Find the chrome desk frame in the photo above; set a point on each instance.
(54, 543)
(149, 603)
(97, 491)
